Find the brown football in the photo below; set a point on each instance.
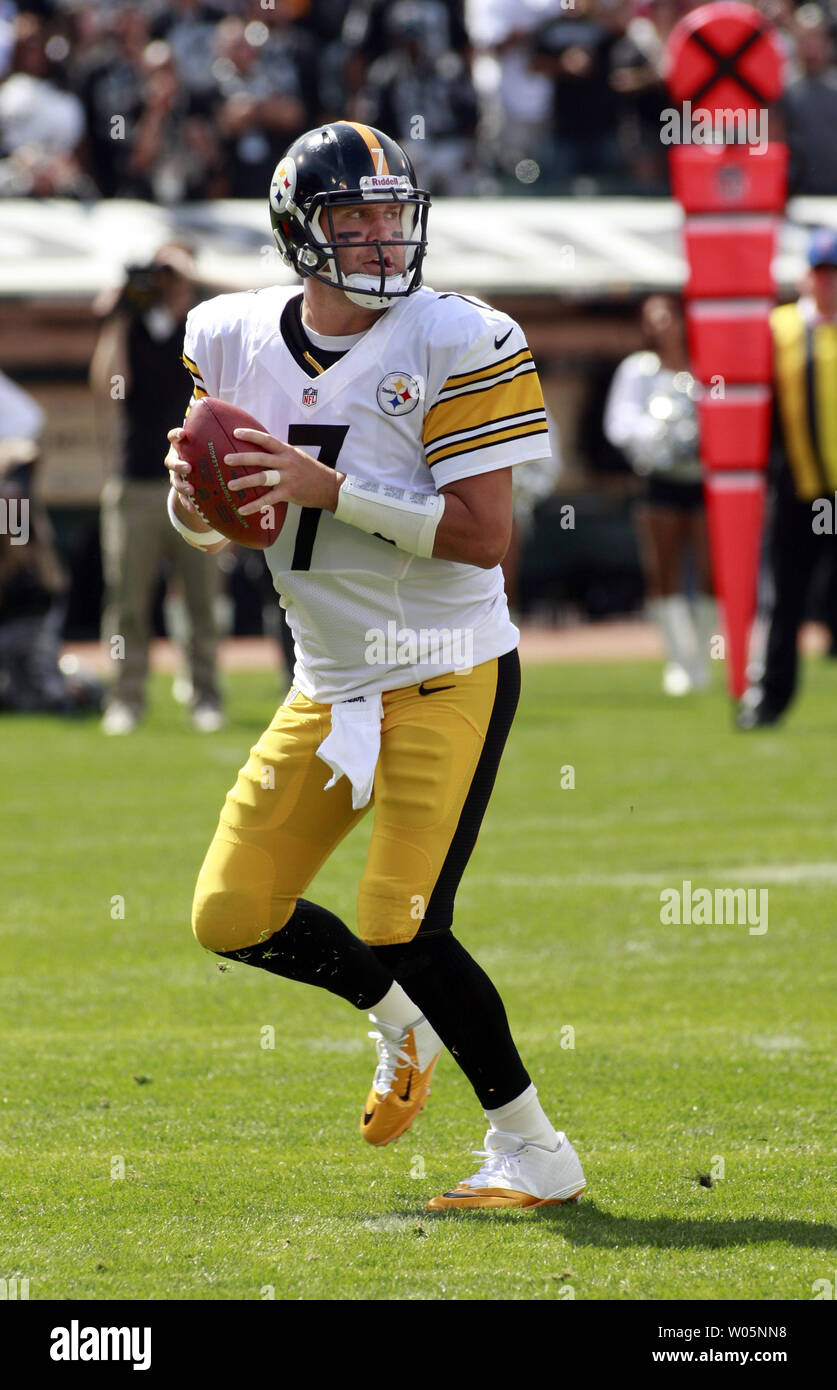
(207, 439)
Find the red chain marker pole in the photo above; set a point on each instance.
(724, 67)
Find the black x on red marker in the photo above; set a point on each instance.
(722, 55)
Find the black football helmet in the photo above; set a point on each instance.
(347, 163)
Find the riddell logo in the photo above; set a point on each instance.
(75, 1343)
(369, 182)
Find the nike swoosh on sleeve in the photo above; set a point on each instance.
(498, 342)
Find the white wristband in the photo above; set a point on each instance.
(199, 539)
(410, 519)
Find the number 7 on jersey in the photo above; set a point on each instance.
(329, 439)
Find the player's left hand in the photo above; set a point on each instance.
(303, 480)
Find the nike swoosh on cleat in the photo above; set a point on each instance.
(434, 689)
(366, 1117)
(498, 342)
(406, 1095)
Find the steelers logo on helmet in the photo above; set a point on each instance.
(398, 393)
(283, 185)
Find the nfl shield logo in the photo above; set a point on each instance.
(309, 395)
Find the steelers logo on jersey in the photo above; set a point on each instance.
(398, 394)
(283, 186)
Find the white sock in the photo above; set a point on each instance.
(706, 622)
(396, 1009)
(674, 619)
(524, 1116)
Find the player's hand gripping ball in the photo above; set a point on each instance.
(207, 439)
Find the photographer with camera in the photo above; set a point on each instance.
(137, 373)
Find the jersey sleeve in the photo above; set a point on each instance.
(488, 412)
(197, 357)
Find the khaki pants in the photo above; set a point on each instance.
(136, 538)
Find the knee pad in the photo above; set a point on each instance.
(233, 904)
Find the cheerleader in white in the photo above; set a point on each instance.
(650, 415)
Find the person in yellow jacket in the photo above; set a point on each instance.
(803, 474)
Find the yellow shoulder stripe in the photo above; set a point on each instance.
(192, 366)
(465, 412)
(507, 364)
(486, 441)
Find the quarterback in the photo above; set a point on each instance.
(394, 416)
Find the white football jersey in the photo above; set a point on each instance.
(440, 387)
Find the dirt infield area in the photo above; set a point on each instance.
(626, 640)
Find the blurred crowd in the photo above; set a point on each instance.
(178, 100)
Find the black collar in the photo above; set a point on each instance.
(313, 360)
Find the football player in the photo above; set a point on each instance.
(394, 416)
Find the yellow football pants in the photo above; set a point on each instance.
(436, 769)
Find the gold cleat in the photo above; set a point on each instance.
(399, 1092)
(517, 1175)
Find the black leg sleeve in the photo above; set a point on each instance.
(316, 948)
(458, 999)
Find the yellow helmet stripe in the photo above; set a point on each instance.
(370, 140)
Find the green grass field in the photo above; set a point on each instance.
(698, 1050)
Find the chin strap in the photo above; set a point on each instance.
(375, 304)
(353, 286)
(362, 289)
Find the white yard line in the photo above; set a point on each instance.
(723, 874)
